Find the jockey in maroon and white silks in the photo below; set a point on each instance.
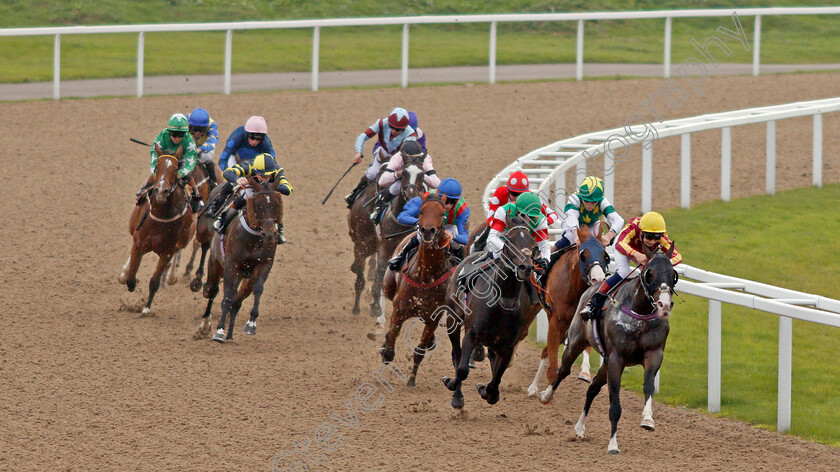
(391, 132)
(391, 177)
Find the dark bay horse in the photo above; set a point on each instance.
(163, 223)
(201, 241)
(243, 257)
(633, 330)
(419, 289)
(574, 270)
(392, 231)
(365, 241)
(496, 312)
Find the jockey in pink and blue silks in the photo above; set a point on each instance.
(390, 179)
(391, 133)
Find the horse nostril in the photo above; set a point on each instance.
(522, 267)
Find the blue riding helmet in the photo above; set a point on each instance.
(412, 119)
(450, 187)
(199, 117)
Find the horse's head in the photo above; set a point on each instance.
(518, 250)
(413, 176)
(432, 212)
(166, 177)
(263, 208)
(593, 257)
(658, 280)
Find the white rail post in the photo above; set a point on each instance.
(714, 356)
(785, 364)
(57, 68)
(140, 54)
(756, 44)
(771, 157)
(725, 163)
(609, 176)
(316, 47)
(667, 59)
(647, 176)
(542, 327)
(404, 74)
(685, 170)
(228, 54)
(579, 65)
(492, 78)
(818, 150)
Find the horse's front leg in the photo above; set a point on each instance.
(462, 370)
(195, 284)
(154, 282)
(500, 363)
(189, 266)
(246, 287)
(653, 360)
(397, 320)
(129, 273)
(211, 289)
(259, 285)
(376, 290)
(592, 392)
(358, 268)
(615, 367)
(577, 343)
(427, 344)
(171, 275)
(231, 281)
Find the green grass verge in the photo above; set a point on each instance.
(785, 40)
(785, 240)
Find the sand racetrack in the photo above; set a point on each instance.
(86, 386)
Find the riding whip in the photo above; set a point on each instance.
(339, 180)
(139, 142)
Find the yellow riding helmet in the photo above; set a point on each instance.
(652, 222)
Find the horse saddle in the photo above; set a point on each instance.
(473, 264)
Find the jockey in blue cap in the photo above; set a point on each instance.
(454, 222)
(205, 133)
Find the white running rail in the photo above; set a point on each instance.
(493, 20)
(547, 169)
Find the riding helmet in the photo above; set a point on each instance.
(591, 189)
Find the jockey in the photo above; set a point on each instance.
(517, 184)
(584, 208)
(205, 133)
(529, 207)
(246, 142)
(390, 178)
(175, 141)
(454, 222)
(648, 230)
(421, 136)
(263, 165)
(391, 132)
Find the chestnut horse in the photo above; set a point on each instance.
(243, 256)
(575, 269)
(496, 312)
(163, 223)
(419, 289)
(634, 329)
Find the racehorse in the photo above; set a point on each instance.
(419, 289)
(392, 231)
(365, 241)
(202, 185)
(203, 237)
(163, 224)
(243, 256)
(570, 274)
(633, 329)
(496, 312)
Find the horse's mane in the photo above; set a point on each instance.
(433, 197)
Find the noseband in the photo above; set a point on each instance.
(593, 248)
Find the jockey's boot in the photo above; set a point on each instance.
(211, 173)
(224, 220)
(280, 238)
(379, 207)
(480, 242)
(397, 262)
(592, 310)
(354, 194)
(457, 255)
(533, 293)
(213, 206)
(196, 204)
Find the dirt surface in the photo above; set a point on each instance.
(90, 386)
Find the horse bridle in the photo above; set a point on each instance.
(434, 244)
(264, 192)
(647, 293)
(584, 269)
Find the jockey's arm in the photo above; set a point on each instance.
(622, 244)
(408, 216)
(231, 146)
(494, 238)
(421, 138)
(212, 138)
(499, 198)
(189, 158)
(463, 235)
(431, 178)
(395, 165)
(551, 216)
(367, 134)
(613, 218)
(543, 243)
(282, 185)
(666, 244)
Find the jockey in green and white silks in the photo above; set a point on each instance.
(585, 208)
(529, 207)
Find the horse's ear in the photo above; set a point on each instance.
(649, 275)
(582, 235)
(602, 229)
(646, 250)
(671, 249)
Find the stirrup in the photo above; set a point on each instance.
(395, 264)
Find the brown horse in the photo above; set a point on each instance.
(163, 223)
(243, 256)
(392, 231)
(202, 184)
(575, 269)
(419, 289)
(365, 241)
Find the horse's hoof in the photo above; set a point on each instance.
(219, 336)
(172, 280)
(122, 278)
(533, 390)
(585, 376)
(545, 396)
(478, 354)
(457, 402)
(356, 310)
(614, 451)
(147, 312)
(648, 425)
(195, 285)
(449, 383)
(482, 390)
(250, 328)
(131, 286)
(411, 382)
(472, 364)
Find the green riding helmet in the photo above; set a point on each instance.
(529, 204)
(178, 122)
(591, 189)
